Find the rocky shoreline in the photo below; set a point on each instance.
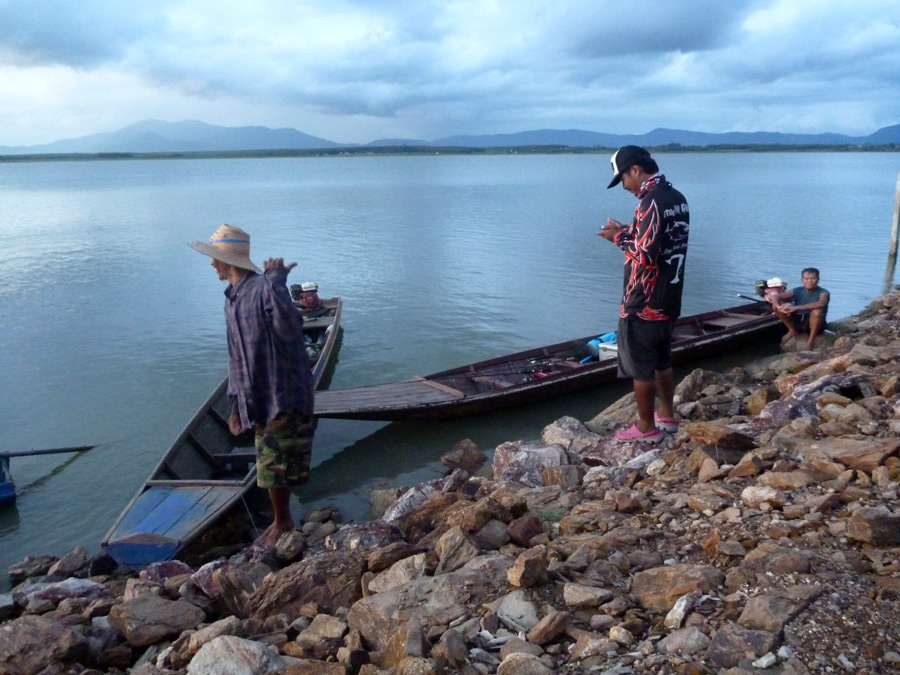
(762, 537)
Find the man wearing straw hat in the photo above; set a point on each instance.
(269, 382)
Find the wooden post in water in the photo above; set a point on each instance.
(896, 222)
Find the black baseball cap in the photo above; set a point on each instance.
(624, 158)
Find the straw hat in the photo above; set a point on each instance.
(229, 245)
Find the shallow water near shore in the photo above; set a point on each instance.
(113, 331)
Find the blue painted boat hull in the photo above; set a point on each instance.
(164, 518)
(7, 487)
(7, 494)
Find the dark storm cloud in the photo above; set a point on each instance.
(628, 30)
(78, 34)
(355, 70)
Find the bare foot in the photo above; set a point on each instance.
(810, 344)
(273, 533)
(276, 531)
(788, 336)
(263, 538)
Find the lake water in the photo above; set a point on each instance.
(112, 327)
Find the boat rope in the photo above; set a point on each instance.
(250, 516)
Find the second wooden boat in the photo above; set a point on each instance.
(8, 486)
(207, 470)
(537, 374)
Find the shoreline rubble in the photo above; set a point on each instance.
(762, 537)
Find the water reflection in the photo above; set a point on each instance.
(9, 519)
(46, 478)
(441, 261)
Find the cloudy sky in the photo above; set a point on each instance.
(354, 71)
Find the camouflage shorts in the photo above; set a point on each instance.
(284, 449)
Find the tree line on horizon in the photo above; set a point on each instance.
(442, 150)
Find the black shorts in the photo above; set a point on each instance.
(801, 322)
(643, 348)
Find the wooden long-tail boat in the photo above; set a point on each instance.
(206, 471)
(7, 485)
(538, 374)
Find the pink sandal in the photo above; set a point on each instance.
(632, 433)
(667, 424)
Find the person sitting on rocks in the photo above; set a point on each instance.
(802, 309)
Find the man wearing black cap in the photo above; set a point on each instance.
(655, 246)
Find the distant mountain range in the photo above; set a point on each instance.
(155, 136)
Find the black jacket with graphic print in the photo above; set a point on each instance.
(655, 247)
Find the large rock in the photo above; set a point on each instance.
(30, 643)
(331, 579)
(733, 643)
(454, 549)
(611, 452)
(519, 663)
(473, 517)
(530, 568)
(30, 566)
(401, 572)
(150, 618)
(719, 436)
(771, 558)
(607, 470)
(227, 626)
(875, 525)
(525, 462)
(69, 564)
(864, 455)
(659, 588)
(549, 628)
(370, 535)
(235, 584)
(570, 434)
(465, 455)
(802, 392)
(435, 601)
(427, 517)
(517, 611)
(55, 592)
(230, 655)
(411, 499)
(772, 611)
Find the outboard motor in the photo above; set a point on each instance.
(308, 295)
(767, 288)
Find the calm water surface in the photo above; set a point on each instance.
(112, 328)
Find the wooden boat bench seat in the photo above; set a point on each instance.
(455, 393)
(237, 456)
